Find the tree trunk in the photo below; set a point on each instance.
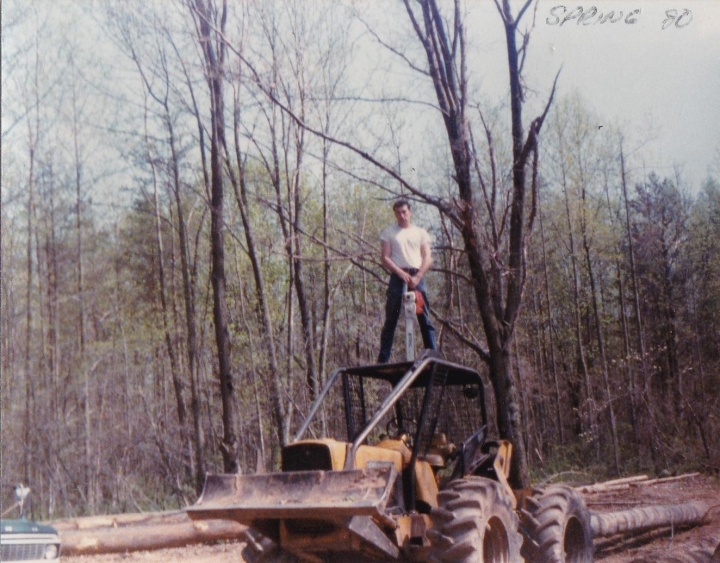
(263, 308)
(652, 441)
(180, 405)
(638, 520)
(83, 369)
(28, 414)
(551, 333)
(498, 296)
(580, 349)
(603, 355)
(195, 374)
(629, 368)
(214, 53)
(190, 315)
(633, 273)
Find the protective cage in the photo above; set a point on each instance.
(443, 397)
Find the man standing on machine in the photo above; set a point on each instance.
(406, 254)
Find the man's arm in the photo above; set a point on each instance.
(391, 266)
(426, 254)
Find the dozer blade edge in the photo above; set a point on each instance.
(327, 495)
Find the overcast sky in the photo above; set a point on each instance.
(661, 84)
(652, 70)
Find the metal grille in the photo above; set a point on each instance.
(22, 551)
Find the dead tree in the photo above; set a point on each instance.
(498, 276)
(207, 18)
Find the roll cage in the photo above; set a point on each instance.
(436, 395)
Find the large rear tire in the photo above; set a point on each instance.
(556, 525)
(475, 523)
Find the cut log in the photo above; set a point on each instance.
(120, 520)
(142, 538)
(609, 485)
(664, 480)
(641, 519)
(627, 482)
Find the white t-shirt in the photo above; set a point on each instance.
(405, 244)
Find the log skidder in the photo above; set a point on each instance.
(411, 476)
(556, 525)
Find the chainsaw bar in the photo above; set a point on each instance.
(409, 307)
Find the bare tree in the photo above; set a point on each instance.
(239, 183)
(498, 277)
(207, 18)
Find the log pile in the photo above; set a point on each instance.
(642, 519)
(643, 523)
(148, 531)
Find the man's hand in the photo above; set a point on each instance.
(406, 278)
(426, 254)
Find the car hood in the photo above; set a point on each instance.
(23, 526)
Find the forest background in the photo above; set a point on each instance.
(129, 369)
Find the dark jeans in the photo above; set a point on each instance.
(393, 306)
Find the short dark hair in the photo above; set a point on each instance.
(401, 203)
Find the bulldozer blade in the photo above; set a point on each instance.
(324, 495)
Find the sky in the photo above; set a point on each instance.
(661, 85)
(651, 69)
(654, 76)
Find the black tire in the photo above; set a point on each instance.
(475, 523)
(556, 525)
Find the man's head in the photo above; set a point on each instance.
(403, 214)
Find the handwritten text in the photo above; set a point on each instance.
(560, 15)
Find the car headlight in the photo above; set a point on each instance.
(51, 551)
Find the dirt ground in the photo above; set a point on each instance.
(655, 547)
